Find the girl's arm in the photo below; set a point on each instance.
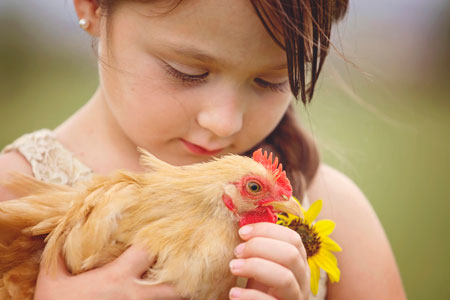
(12, 162)
(367, 264)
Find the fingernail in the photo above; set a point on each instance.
(239, 249)
(245, 230)
(235, 293)
(236, 264)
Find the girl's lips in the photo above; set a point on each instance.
(196, 149)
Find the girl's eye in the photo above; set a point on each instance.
(191, 79)
(253, 187)
(275, 87)
(186, 78)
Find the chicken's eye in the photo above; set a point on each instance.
(253, 187)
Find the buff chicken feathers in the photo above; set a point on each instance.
(187, 216)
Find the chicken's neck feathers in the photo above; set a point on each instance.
(151, 162)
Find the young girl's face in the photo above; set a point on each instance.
(201, 80)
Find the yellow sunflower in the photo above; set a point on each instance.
(316, 241)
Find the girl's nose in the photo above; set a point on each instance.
(223, 117)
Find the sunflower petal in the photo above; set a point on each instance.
(315, 276)
(313, 211)
(325, 227)
(329, 255)
(329, 244)
(327, 261)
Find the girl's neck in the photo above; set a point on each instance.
(96, 139)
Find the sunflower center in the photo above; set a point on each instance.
(310, 238)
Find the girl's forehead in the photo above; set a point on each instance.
(227, 31)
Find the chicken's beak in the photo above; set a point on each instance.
(289, 206)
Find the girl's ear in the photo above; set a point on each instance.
(90, 12)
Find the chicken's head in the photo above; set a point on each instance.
(259, 194)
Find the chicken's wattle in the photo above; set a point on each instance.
(260, 214)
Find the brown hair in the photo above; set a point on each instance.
(303, 29)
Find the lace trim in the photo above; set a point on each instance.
(49, 160)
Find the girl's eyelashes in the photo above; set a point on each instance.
(185, 78)
(190, 79)
(275, 87)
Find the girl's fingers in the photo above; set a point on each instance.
(280, 279)
(244, 294)
(256, 285)
(276, 232)
(276, 251)
(118, 279)
(134, 260)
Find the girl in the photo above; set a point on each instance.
(189, 80)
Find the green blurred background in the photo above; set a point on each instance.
(385, 123)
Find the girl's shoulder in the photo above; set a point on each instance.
(41, 155)
(337, 191)
(49, 160)
(12, 162)
(367, 264)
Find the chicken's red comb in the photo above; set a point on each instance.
(276, 169)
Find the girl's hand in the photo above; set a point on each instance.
(274, 259)
(116, 280)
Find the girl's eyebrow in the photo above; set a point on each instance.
(191, 52)
(279, 67)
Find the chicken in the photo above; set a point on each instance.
(187, 216)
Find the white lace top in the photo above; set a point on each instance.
(51, 162)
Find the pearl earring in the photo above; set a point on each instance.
(84, 23)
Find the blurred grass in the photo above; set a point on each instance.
(47, 90)
(391, 139)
